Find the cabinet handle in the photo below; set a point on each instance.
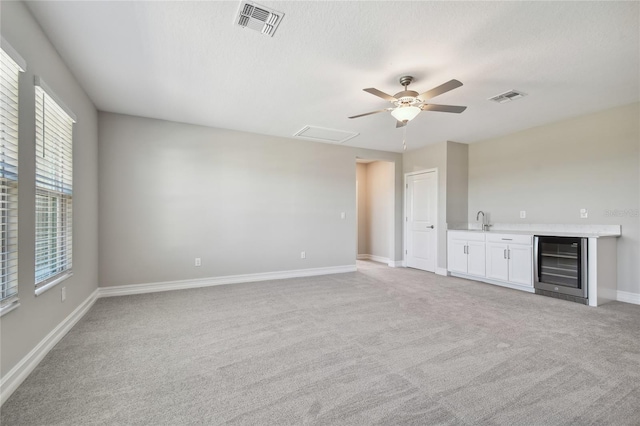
(508, 253)
(466, 249)
(505, 253)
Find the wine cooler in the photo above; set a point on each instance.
(561, 268)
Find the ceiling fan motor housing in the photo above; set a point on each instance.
(406, 97)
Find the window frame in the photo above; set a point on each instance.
(54, 189)
(9, 157)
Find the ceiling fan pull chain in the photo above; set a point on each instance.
(404, 138)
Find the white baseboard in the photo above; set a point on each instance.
(374, 258)
(379, 258)
(124, 290)
(528, 289)
(628, 297)
(442, 271)
(396, 263)
(22, 369)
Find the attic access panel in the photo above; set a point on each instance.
(323, 134)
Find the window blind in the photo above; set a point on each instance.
(9, 76)
(54, 189)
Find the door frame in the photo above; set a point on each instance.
(404, 214)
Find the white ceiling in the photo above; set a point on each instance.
(188, 62)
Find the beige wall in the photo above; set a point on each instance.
(457, 183)
(36, 317)
(244, 203)
(363, 226)
(380, 207)
(553, 171)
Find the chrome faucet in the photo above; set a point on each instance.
(485, 226)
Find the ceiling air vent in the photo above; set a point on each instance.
(511, 95)
(259, 18)
(322, 134)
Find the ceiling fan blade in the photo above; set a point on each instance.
(443, 88)
(401, 123)
(372, 112)
(380, 94)
(443, 108)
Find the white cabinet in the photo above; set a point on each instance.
(497, 263)
(466, 253)
(520, 264)
(510, 258)
(500, 259)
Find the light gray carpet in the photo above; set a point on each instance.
(379, 346)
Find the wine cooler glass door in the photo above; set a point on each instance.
(561, 265)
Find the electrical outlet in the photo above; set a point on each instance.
(584, 213)
(303, 255)
(198, 261)
(63, 294)
(523, 214)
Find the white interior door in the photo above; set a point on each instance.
(421, 218)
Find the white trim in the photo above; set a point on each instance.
(22, 369)
(396, 263)
(124, 290)
(442, 271)
(404, 214)
(375, 258)
(5, 309)
(13, 54)
(494, 282)
(39, 82)
(53, 283)
(628, 297)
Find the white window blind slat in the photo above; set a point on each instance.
(54, 189)
(9, 79)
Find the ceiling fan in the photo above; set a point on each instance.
(408, 104)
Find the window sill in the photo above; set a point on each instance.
(9, 307)
(53, 283)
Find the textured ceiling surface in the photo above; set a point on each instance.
(188, 62)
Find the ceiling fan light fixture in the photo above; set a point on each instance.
(405, 113)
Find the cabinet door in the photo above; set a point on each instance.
(476, 258)
(521, 265)
(457, 256)
(497, 263)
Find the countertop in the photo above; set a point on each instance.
(558, 233)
